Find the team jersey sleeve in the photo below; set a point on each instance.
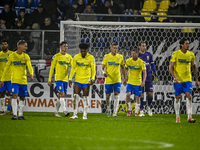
(173, 58)
(104, 60)
(143, 65)
(30, 68)
(93, 67)
(8, 64)
(153, 67)
(193, 57)
(126, 64)
(122, 62)
(73, 68)
(53, 64)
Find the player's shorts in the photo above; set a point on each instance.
(148, 87)
(134, 89)
(6, 87)
(19, 89)
(61, 86)
(110, 87)
(183, 87)
(81, 85)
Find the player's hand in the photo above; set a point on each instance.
(124, 82)
(91, 82)
(155, 78)
(49, 83)
(105, 74)
(143, 84)
(70, 83)
(197, 84)
(31, 76)
(175, 79)
(1, 84)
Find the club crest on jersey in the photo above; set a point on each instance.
(23, 58)
(137, 64)
(188, 56)
(147, 57)
(67, 58)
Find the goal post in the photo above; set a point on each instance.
(162, 39)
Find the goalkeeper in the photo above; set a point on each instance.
(148, 59)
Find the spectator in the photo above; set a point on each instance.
(25, 18)
(110, 18)
(38, 15)
(133, 4)
(108, 5)
(71, 12)
(183, 4)
(193, 9)
(136, 19)
(174, 9)
(96, 5)
(88, 10)
(81, 6)
(121, 5)
(51, 38)
(9, 15)
(63, 5)
(154, 18)
(9, 2)
(2, 26)
(51, 7)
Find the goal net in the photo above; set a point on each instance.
(162, 39)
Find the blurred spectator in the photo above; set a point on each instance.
(25, 18)
(51, 7)
(88, 10)
(154, 18)
(121, 5)
(71, 12)
(38, 15)
(9, 2)
(133, 4)
(2, 26)
(51, 38)
(183, 4)
(96, 5)
(136, 19)
(174, 9)
(108, 4)
(110, 18)
(9, 15)
(63, 5)
(193, 9)
(81, 6)
(170, 20)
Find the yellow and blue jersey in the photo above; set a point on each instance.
(18, 64)
(182, 66)
(83, 67)
(135, 70)
(61, 64)
(3, 61)
(113, 64)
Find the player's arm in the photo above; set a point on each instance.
(30, 68)
(102, 70)
(153, 67)
(53, 64)
(124, 74)
(171, 70)
(74, 64)
(194, 68)
(144, 77)
(93, 67)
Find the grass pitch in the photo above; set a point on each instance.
(42, 131)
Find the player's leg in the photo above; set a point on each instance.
(117, 88)
(129, 89)
(187, 88)
(149, 101)
(60, 92)
(22, 94)
(178, 90)
(15, 91)
(86, 100)
(138, 93)
(2, 99)
(9, 89)
(65, 85)
(77, 90)
(108, 91)
(141, 106)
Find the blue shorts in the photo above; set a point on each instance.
(19, 89)
(81, 85)
(148, 87)
(134, 89)
(62, 86)
(109, 88)
(183, 87)
(6, 86)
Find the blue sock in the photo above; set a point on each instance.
(149, 100)
(8, 107)
(141, 103)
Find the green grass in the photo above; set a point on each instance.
(44, 132)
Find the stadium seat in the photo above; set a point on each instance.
(188, 30)
(124, 19)
(149, 6)
(34, 4)
(146, 18)
(162, 18)
(21, 4)
(17, 12)
(164, 6)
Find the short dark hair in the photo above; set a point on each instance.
(83, 45)
(114, 44)
(22, 10)
(4, 41)
(182, 41)
(63, 42)
(135, 50)
(140, 43)
(21, 42)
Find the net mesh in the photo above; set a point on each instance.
(161, 41)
